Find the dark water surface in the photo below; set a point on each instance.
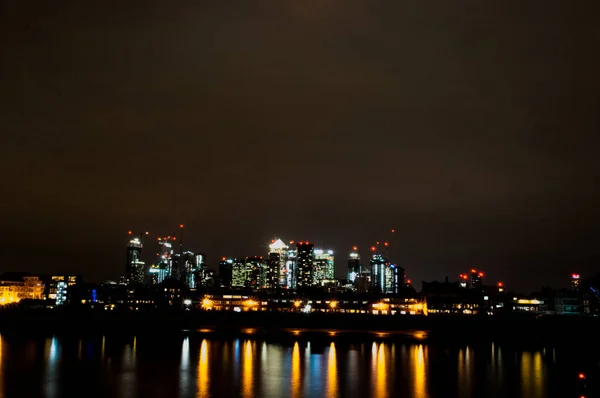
(196, 365)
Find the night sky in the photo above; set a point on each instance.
(470, 127)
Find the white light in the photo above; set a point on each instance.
(486, 298)
(330, 252)
(318, 251)
(353, 255)
(307, 308)
(278, 245)
(187, 302)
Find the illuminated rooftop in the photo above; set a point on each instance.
(278, 245)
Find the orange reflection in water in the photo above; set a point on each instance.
(379, 370)
(296, 371)
(203, 376)
(248, 378)
(418, 360)
(532, 375)
(332, 372)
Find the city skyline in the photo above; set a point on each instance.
(470, 128)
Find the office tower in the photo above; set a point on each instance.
(199, 274)
(291, 267)
(272, 274)
(463, 283)
(280, 248)
(256, 272)
(323, 266)
(575, 281)
(239, 273)
(476, 280)
(353, 266)
(226, 272)
(163, 267)
(304, 260)
(189, 269)
(135, 267)
(379, 264)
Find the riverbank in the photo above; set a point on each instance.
(439, 327)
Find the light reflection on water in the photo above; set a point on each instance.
(200, 367)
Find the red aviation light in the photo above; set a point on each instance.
(473, 270)
(355, 248)
(128, 232)
(180, 225)
(500, 284)
(386, 244)
(481, 274)
(373, 248)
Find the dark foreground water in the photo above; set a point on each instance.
(196, 365)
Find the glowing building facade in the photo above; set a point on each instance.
(15, 287)
(353, 266)
(239, 273)
(323, 266)
(385, 277)
(284, 274)
(256, 272)
(135, 268)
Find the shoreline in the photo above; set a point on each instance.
(551, 329)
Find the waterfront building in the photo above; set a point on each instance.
(58, 287)
(16, 286)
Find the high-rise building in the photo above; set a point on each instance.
(304, 260)
(272, 274)
(575, 281)
(163, 267)
(190, 263)
(199, 273)
(135, 269)
(281, 249)
(239, 273)
(291, 267)
(226, 272)
(323, 266)
(353, 266)
(385, 277)
(256, 272)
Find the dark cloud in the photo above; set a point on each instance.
(471, 128)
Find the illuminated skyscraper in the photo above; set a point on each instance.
(385, 277)
(291, 267)
(135, 267)
(163, 267)
(323, 266)
(239, 273)
(280, 248)
(353, 266)
(272, 274)
(305, 257)
(575, 281)
(256, 272)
